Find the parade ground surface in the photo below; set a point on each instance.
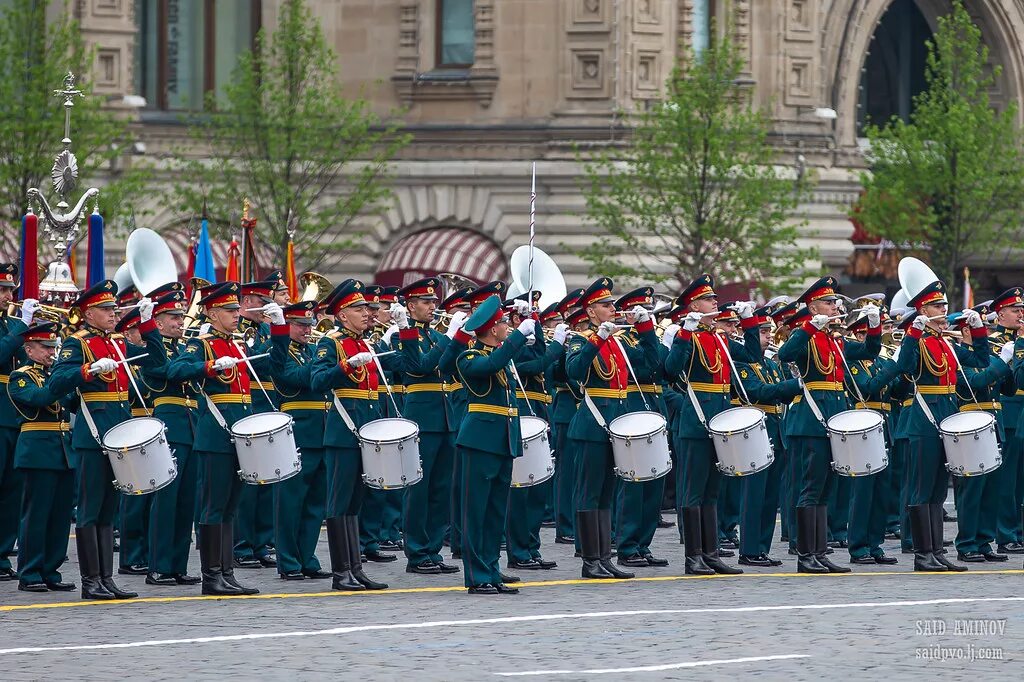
(884, 621)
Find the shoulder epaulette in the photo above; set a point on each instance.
(25, 368)
(333, 333)
(117, 336)
(80, 334)
(203, 337)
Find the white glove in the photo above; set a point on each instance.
(527, 327)
(204, 328)
(530, 340)
(744, 310)
(360, 359)
(640, 314)
(455, 324)
(670, 335)
(102, 366)
(819, 321)
(606, 329)
(399, 315)
(1006, 352)
(522, 308)
(28, 310)
(919, 322)
(275, 313)
(874, 315)
(392, 330)
(561, 333)
(221, 364)
(692, 321)
(146, 309)
(973, 319)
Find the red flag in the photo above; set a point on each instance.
(29, 268)
(290, 279)
(231, 269)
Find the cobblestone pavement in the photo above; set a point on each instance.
(766, 624)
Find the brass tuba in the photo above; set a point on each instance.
(315, 286)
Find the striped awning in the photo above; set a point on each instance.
(442, 249)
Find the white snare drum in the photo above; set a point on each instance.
(537, 463)
(265, 445)
(640, 446)
(140, 456)
(740, 435)
(391, 453)
(972, 447)
(858, 442)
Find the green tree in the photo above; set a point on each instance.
(40, 43)
(696, 190)
(284, 136)
(951, 179)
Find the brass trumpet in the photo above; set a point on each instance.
(50, 313)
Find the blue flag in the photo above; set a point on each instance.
(205, 267)
(97, 269)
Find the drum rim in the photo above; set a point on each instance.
(359, 431)
(533, 417)
(260, 434)
(847, 432)
(109, 448)
(763, 420)
(663, 427)
(990, 424)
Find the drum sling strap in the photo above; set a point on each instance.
(88, 419)
(217, 416)
(345, 416)
(589, 402)
(924, 404)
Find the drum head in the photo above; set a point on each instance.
(531, 426)
(854, 421)
(966, 422)
(385, 430)
(260, 423)
(735, 419)
(637, 424)
(133, 432)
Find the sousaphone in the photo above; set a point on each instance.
(547, 278)
(149, 260)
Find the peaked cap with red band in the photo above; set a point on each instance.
(8, 275)
(165, 289)
(701, 287)
(128, 295)
(934, 293)
(389, 295)
(480, 294)
(822, 290)
(571, 300)
(44, 333)
(425, 288)
(1011, 298)
(600, 291)
(347, 294)
(372, 294)
(644, 297)
(223, 295)
(100, 295)
(457, 299)
(172, 303)
(486, 315)
(264, 289)
(550, 313)
(300, 313)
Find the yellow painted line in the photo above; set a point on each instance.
(459, 588)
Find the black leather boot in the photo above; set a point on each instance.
(935, 517)
(709, 541)
(806, 561)
(89, 564)
(604, 528)
(210, 559)
(588, 533)
(356, 561)
(105, 539)
(227, 557)
(341, 559)
(689, 525)
(821, 540)
(920, 528)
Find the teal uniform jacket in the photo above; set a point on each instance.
(768, 389)
(421, 349)
(230, 391)
(823, 373)
(532, 363)
(924, 360)
(696, 358)
(874, 380)
(174, 402)
(650, 378)
(291, 367)
(588, 364)
(261, 344)
(986, 386)
(1012, 405)
(491, 423)
(45, 439)
(394, 376)
(447, 365)
(567, 393)
(11, 356)
(106, 396)
(355, 387)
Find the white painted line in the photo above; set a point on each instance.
(507, 619)
(655, 668)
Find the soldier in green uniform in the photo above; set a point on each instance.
(700, 359)
(872, 380)
(344, 365)
(596, 360)
(1009, 310)
(638, 504)
(426, 508)
(11, 357)
(977, 497)
(254, 522)
(133, 521)
(933, 365)
(769, 390)
(47, 462)
(727, 324)
(215, 362)
(564, 404)
(526, 504)
(488, 441)
(786, 315)
(174, 403)
(299, 501)
(88, 362)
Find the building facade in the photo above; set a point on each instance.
(488, 86)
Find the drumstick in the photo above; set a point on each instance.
(256, 357)
(380, 355)
(121, 362)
